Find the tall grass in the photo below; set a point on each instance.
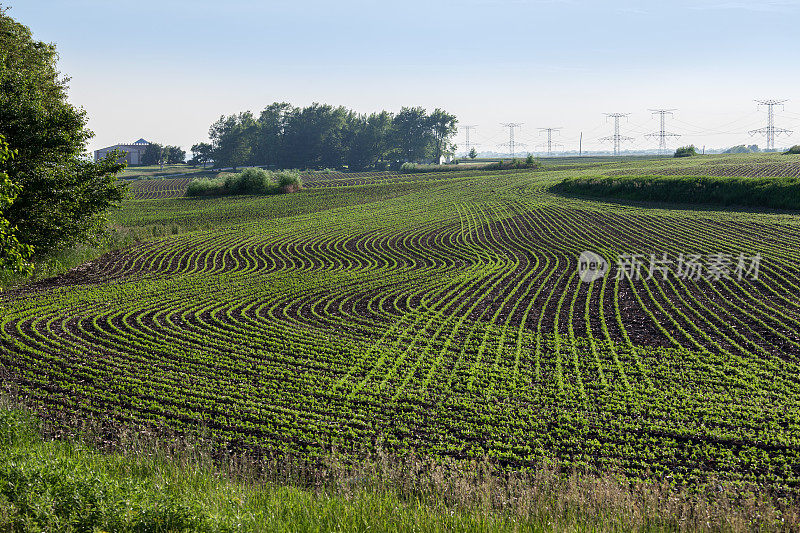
(248, 181)
(776, 193)
(143, 484)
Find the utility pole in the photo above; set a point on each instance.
(662, 133)
(580, 146)
(617, 139)
(511, 144)
(550, 139)
(770, 131)
(466, 130)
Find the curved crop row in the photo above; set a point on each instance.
(447, 318)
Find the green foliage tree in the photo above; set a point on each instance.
(793, 150)
(369, 141)
(174, 155)
(153, 154)
(315, 136)
(13, 254)
(233, 138)
(742, 149)
(201, 152)
(686, 151)
(443, 128)
(473, 153)
(411, 135)
(270, 128)
(324, 136)
(62, 197)
(157, 154)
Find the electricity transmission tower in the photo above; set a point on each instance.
(662, 133)
(511, 144)
(617, 139)
(467, 143)
(550, 142)
(770, 131)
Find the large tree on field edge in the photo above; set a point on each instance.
(13, 254)
(62, 197)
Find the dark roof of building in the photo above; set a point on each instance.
(141, 141)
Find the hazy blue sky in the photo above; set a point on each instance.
(165, 70)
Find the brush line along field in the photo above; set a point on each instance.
(440, 314)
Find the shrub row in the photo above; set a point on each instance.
(248, 181)
(779, 193)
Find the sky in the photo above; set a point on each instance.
(165, 70)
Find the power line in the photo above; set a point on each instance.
(550, 139)
(511, 144)
(662, 133)
(466, 130)
(721, 128)
(770, 131)
(697, 130)
(617, 139)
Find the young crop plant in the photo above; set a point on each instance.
(439, 315)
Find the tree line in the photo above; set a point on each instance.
(324, 136)
(156, 154)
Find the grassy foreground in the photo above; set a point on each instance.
(67, 484)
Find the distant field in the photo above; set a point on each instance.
(160, 188)
(149, 189)
(740, 165)
(745, 165)
(440, 314)
(156, 170)
(176, 187)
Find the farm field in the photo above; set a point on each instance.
(149, 189)
(156, 171)
(744, 165)
(440, 314)
(739, 165)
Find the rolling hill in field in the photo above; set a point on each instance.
(440, 314)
